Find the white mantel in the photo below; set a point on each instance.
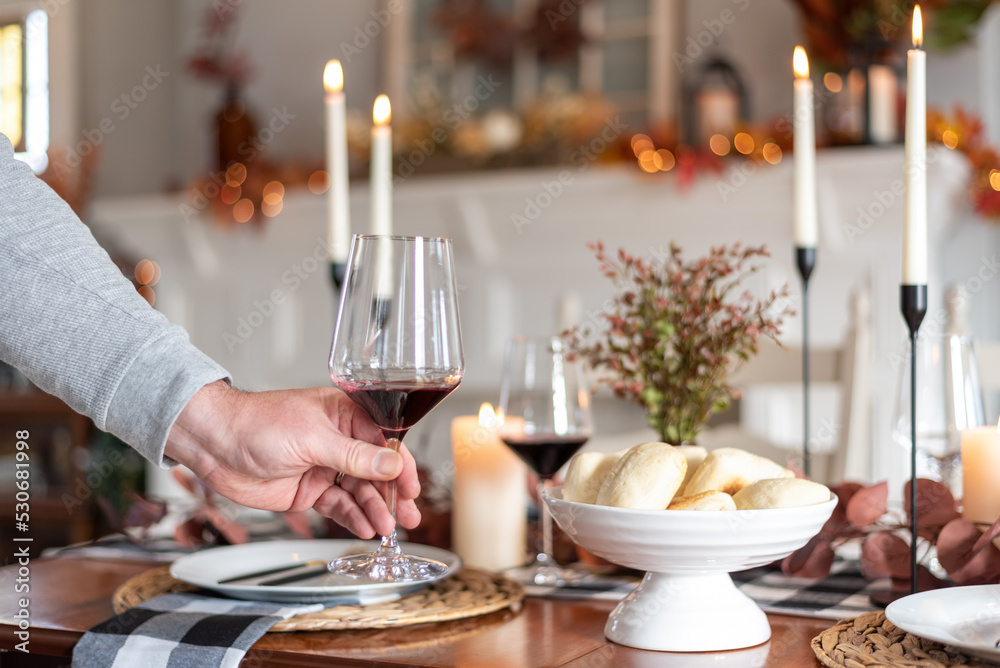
(519, 247)
(511, 274)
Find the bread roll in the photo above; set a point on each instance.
(585, 475)
(646, 477)
(781, 493)
(730, 469)
(714, 500)
(695, 455)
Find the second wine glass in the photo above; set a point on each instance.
(546, 419)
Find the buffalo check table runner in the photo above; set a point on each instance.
(183, 631)
(843, 593)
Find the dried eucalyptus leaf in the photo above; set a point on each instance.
(988, 536)
(867, 505)
(885, 554)
(956, 553)
(935, 504)
(811, 561)
(233, 532)
(144, 512)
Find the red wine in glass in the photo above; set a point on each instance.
(396, 406)
(545, 454)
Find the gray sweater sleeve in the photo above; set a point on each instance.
(78, 329)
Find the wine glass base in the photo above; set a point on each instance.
(545, 574)
(375, 567)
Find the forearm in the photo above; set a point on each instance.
(77, 328)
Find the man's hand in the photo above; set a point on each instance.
(282, 451)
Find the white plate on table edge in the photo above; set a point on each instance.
(966, 618)
(207, 567)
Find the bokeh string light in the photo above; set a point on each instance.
(147, 274)
(960, 131)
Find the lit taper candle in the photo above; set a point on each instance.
(338, 210)
(804, 189)
(381, 168)
(915, 169)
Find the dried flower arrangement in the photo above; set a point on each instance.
(966, 553)
(215, 58)
(676, 331)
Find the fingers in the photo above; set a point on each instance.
(360, 506)
(339, 505)
(358, 458)
(407, 514)
(407, 484)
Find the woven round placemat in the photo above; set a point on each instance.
(872, 640)
(468, 593)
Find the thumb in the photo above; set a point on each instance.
(360, 459)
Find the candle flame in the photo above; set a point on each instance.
(333, 77)
(488, 418)
(800, 63)
(918, 27)
(382, 111)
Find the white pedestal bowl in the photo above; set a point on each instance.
(687, 602)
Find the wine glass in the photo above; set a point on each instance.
(397, 352)
(545, 409)
(949, 399)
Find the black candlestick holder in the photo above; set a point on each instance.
(337, 272)
(805, 260)
(913, 303)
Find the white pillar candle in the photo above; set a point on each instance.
(338, 210)
(804, 187)
(381, 167)
(981, 474)
(488, 513)
(915, 169)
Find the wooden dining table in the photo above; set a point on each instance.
(71, 594)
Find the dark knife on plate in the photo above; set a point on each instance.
(295, 577)
(274, 571)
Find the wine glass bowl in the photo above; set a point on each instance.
(545, 409)
(397, 353)
(687, 595)
(949, 400)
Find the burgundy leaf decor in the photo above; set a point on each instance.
(964, 551)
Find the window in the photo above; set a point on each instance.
(24, 86)
(12, 84)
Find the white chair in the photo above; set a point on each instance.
(841, 403)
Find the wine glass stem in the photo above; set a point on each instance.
(389, 542)
(546, 519)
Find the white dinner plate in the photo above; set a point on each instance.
(967, 618)
(205, 569)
